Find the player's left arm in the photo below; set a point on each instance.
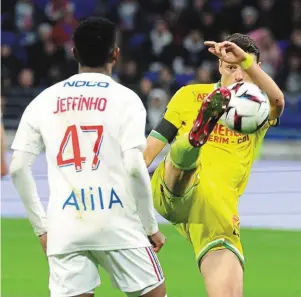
(133, 142)
(233, 54)
(167, 128)
(268, 86)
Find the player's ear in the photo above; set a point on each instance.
(259, 64)
(75, 54)
(220, 63)
(116, 54)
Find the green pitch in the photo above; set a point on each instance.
(273, 267)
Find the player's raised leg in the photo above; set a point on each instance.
(222, 273)
(182, 159)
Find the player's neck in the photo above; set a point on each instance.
(103, 70)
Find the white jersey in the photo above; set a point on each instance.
(85, 123)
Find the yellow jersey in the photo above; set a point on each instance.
(227, 154)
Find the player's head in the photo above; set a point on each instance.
(234, 73)
(95, 43)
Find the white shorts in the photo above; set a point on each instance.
(134, 271)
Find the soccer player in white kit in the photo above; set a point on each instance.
(100, 209)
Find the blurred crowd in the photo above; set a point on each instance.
(161, 41)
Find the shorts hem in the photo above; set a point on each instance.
(143, 290)
(79, 292)
(224, 244)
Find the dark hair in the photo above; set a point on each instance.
(246, 43)
(94, 40)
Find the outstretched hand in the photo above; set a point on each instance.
(226, 51)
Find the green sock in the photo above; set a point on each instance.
(183, 155)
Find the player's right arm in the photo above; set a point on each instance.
(27, 145)
(166, 130)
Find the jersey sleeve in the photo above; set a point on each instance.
(260, 134)
(28, 137)
(168, 127)
(133, 127)
(173, 111)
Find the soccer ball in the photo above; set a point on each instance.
(248, 108)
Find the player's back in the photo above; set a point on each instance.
(85, 123)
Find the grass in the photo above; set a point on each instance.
(273, 267)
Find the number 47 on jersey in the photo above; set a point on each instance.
(71, 134)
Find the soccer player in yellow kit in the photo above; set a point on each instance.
(198, 185)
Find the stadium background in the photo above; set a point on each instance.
(162, 50)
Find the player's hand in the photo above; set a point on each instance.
(157, 240)
(43, 241)
(226, 51)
